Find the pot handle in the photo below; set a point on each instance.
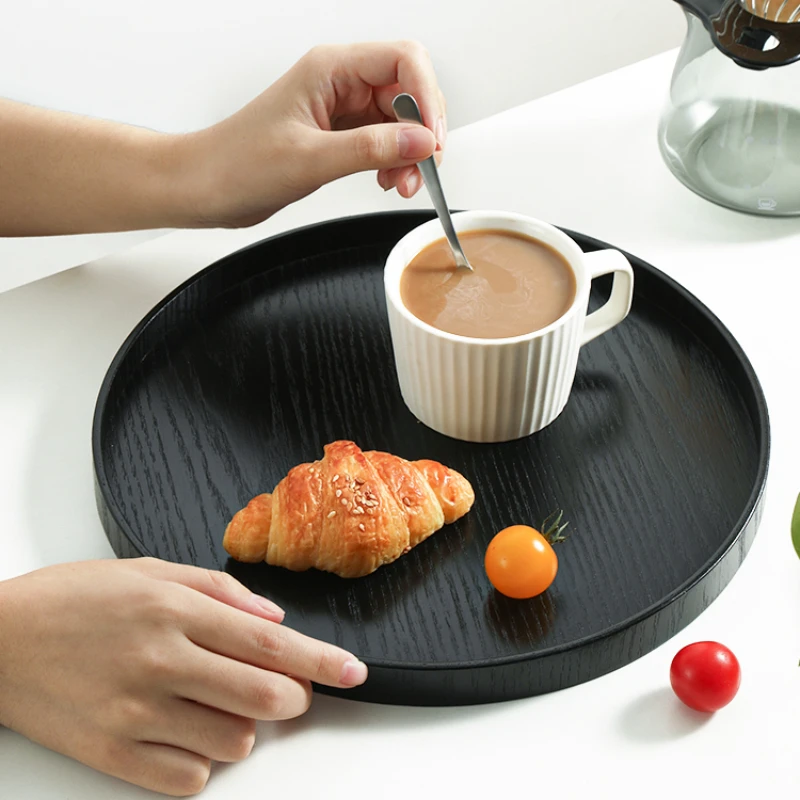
(750, 41)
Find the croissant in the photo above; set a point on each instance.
(349, 513)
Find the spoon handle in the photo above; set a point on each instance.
(406, 109)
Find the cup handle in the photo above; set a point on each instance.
(603, 262)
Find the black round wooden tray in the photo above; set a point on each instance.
(250, 367)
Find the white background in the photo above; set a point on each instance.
(621, 737)
(178, 64)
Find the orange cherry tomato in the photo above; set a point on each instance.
(520, 562)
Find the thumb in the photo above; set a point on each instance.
(373, 147)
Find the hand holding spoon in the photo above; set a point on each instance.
(406, 110)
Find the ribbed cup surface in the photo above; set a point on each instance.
(487, 391)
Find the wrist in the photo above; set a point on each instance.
(205, 185)
(182, 163)
(225, 179)
(174, 164)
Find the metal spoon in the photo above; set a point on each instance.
(406, 109)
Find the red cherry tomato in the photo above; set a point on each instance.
(705, 676)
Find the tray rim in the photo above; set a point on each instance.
(751, 511)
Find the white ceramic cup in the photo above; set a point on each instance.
(496, 390)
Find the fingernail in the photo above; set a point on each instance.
(269, 606)
(413, 183)
(414, 142)
(354, 673)
(441, 132)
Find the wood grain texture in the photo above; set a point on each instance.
(659, 463)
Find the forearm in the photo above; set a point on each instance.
(64, 174)
(6, 636)
(327, 117)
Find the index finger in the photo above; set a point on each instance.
(268, 645)
(405, 64)
(218, 585)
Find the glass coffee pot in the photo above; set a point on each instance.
(731, 129)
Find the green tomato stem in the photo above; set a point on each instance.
(552, 529)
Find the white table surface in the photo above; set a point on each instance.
(585, 158)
